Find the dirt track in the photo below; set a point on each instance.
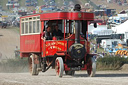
(50, 78)
(9, 39)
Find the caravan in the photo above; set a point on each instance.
(109, 43)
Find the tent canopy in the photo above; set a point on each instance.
(122, 28)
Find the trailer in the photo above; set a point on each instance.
(109, 43)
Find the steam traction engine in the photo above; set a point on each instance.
(69, 53)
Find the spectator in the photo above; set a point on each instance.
(16, 52)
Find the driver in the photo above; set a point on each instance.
(57, 32)
(47, 34)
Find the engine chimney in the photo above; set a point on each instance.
(77, 25)
(77, 31)
(77, 7)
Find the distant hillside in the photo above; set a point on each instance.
(110, 5)
(21, 2)
(82, 2)
(3, 3)
(40, 2)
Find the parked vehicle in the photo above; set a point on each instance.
(109, 43)
(4, 24)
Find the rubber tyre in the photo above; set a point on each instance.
(59, 66)
(32, 66)
(91, 72)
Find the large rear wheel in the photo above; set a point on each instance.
(59, 66)
(33, 66)
(91, 68)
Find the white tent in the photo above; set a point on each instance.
(99, 28)
(122, 28)
(103, 31)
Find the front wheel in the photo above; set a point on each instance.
(59, 66)
(32, 65)
(91, 68)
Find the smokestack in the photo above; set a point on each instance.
(77, 31)
(77, 25)
(77, 7)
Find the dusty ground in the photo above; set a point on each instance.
(50, 78)
(124, 67)
(9, 39)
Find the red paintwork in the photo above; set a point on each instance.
(68, 15)
(53, 47)
(66, 67)
(85, 67)
(64, 15)
(30, 43)
(88, 46)
(57, 67)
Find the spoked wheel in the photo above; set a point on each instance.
(91, 68)
(33, 66)
(71, 72)
(59, 66)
